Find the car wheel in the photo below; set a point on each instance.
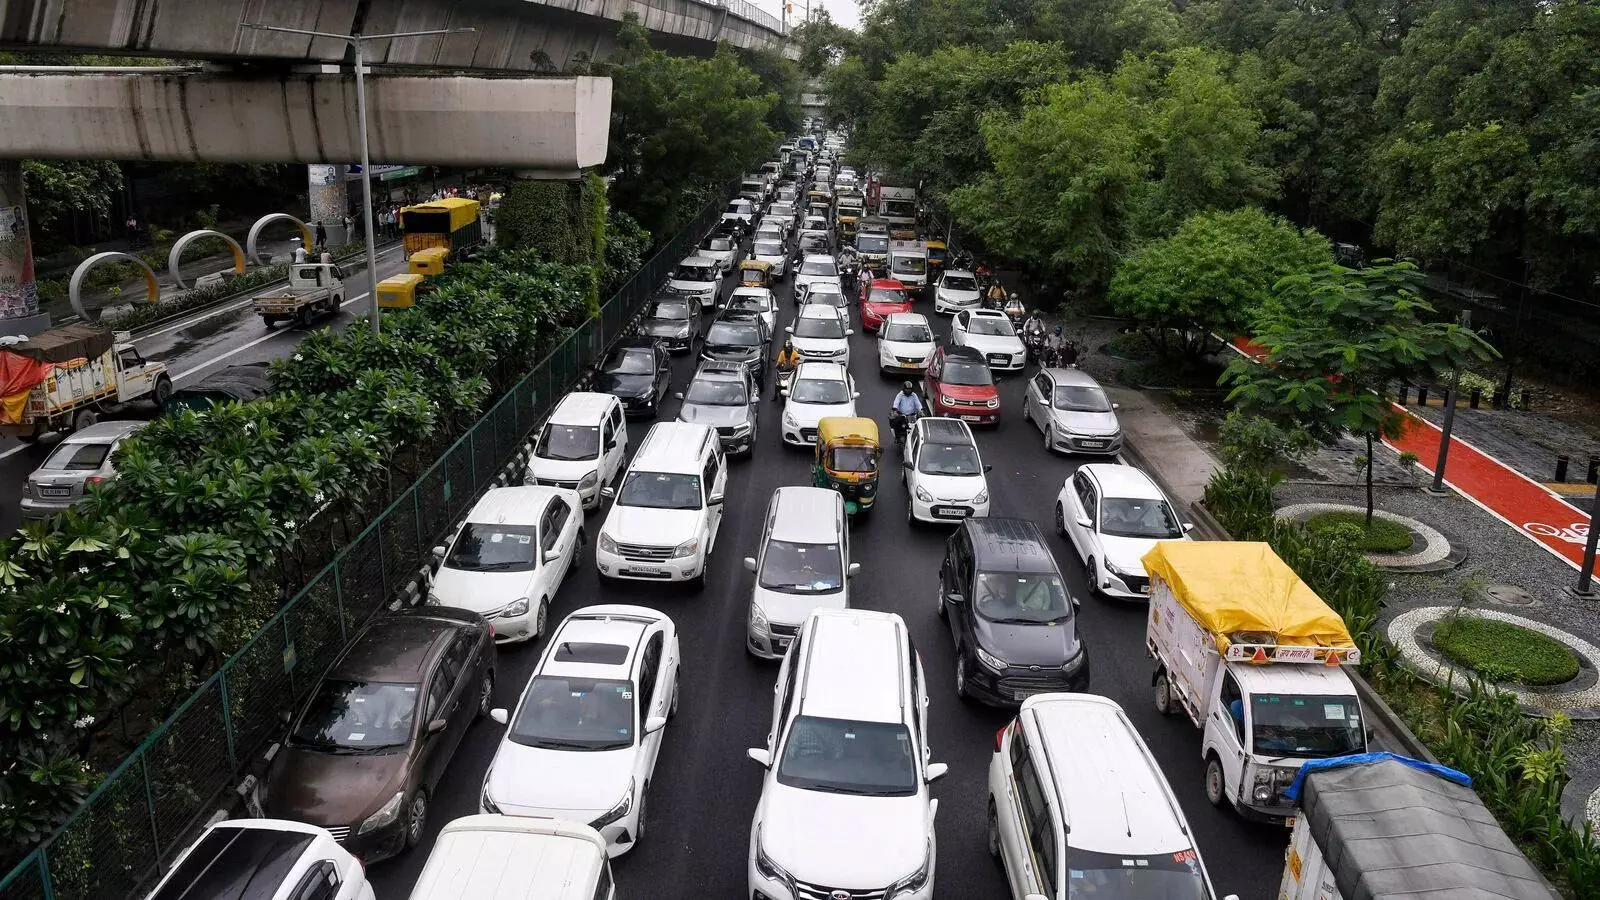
(698, 583)
(961, 676)
(1216, 784)
(541, 619)
(1093, 571)
(416, 818)
(486, 693)
(1061, 521)
(677, 691)
(84, 418)
(1026, 416)
(1049, 439)
(993, 831)
(911, 518)
(644, 808)
(1163, 693)
(163, 391)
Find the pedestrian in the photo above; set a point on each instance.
(322, 235)
(349, 229)
(133, 230)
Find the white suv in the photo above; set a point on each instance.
(814, 267)
(276, 859)
(697, 278)
(1078, 806)
(943, 472)
(816, 390)
(664, 522)
(845, 809)
(803, 564)
(821, 333)
(582, 446)
(583, 740)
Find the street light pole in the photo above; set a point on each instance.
(1586, 589)
(358, 43)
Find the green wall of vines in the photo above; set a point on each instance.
(562, 221)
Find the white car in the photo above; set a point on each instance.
(828, 293)
(957, 289)
(756, 299)
(721, 248)
(697, 278)
(943, 472)
(668, 511)
(814, 267)
(271, 859)
(818, 389)
(821, 333)
(802, 563)
(583, 445)
(509, 558)
(905, 343)
(740, 209)
(583, 739)
(989, 332)
(768, 248)
(1072, 411)
(1113, 515)
(781, 214)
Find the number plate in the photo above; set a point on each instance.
(972, 418)
(55, 492)
(1289, 822)
(949, 512)
(1093, 444)
(646, 570)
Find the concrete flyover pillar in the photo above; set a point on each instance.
(329, 199)
(19, 296)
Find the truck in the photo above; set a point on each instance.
(848, 209)
(898, 205)
(908, 264)
(1382, 825)
(66, 378)
(1254, 658)
(454, 224)
(314, 289)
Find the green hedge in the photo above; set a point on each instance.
(564, 221)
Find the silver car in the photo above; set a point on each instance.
(81, 459)
(723, 395)
(1073, 412)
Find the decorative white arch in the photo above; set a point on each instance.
(269, 218)
(177, 252)
(152, 288)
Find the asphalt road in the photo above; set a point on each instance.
(193, 348)
(705, 790)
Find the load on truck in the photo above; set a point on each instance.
(453, 224)
(67, 378)
(898, 205)
(1252, 656)
(1383, 826)
(314, 289)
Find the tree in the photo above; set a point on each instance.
(1215, 274)
(822, 42)
(58, 188)
(780, 77)
(1330, 367)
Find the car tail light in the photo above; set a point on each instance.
(1000, 736)
(96, 479)
(491, 631)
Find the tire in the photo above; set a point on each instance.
(1093, 571)
(162, 392)
(698, 583)
(269, 321)
(84, 418)
(1049, 439)
(541, 621)
(644, 809)
(1026, 416)
(416, 818)
(992, 833)
(943, 613)
(1216, 784)
(486, 700)
(677, 691)
(911, 519)
(961, 676)
(1163, 691)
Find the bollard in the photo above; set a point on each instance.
(1475, 397)
(1561, 467)
(1593, 476)
(1422, 395)
(1499, 401)
(1527, 402)
(1405, 393)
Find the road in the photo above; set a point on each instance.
(705, 790)
(193, 348)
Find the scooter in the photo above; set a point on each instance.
(901, 424)
(1034, 341)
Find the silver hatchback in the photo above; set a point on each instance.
(81, 459)
(1073, 412)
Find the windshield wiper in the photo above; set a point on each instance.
(559, 744)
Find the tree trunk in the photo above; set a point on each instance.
(1369, 481)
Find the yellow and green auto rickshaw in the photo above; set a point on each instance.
(847, 458)
(755, 273)
(938, 252)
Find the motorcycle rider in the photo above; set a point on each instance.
(1054, 348)
(788, 359)
(905, 404)
(995, 298)
(1034, 326)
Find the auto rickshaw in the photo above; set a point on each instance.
(847, 456)
(755, 273)
(400, 291)
(938, 252)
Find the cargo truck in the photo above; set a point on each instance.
(1253, 657)
(453, 224)
(314, 289)
(67, 378)
(899, 206)
(908, 264)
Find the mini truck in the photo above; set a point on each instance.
(1252, 655)
(78, 373)
(315, 289)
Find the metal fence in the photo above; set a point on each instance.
(145, 812)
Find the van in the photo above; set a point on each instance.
(581, 446)
(802, 563)
(664, 521)
(1077, 804)
(264, 859)
(491, 857)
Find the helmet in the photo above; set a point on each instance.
(1039, 312)
(1013, 295)
(1058, 329)
(907, 386)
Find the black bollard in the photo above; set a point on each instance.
(1475, 397)
(1422, 395)
(1561, 467)
(1527, 402)
(1499, 399)
(1593, 476)
(1405, 393)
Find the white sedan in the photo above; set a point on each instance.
(1113, 515)
(583, 740)
(819, 390)
(956, 290)
(905, 343)
(758, 300)
(989, 332)
(768, 248)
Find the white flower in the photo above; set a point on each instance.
(61, 608)
(83, 570)
(298, 357)
(84, 722)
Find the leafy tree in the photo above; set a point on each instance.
(1329, 367)
(821, 41)
(780, 77)
(852, 96)
(1099, 32)
(1215, 274)
(58, 188)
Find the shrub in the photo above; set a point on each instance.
(1257, 444)
(1382, 536)
(1503, 652)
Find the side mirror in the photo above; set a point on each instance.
(608, 491)
(855, 395)
(499, 716)
(1083, 522)
(438, 553)
(853, 570)
(716, 500)
(953, 597)
(654, 724)
(789, 328)
(849, 331)
(784, 391)
(678, 394)
(436, 726)
(988, 468)
(935, 771)
(760, 755)
(1188, 527)
(905, 463)
(284, 716)
(1116, 406)
(750, 564)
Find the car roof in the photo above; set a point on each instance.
(512, 858)
(734, 314)
(826, 371)
(752, 291)
(807, 515)
(672, 447)
(520, 505)
(587, 407)
(1072, 376)
(1122, 481)
(887, 284)
(965, 354)
(817, 257)
(1011, 545)
(586, 628)
(1108, 788)
(962, 272)
(905, 318)
(103, 432)
(394, 648)
(720, 369)
(699, 261)
(855, 653)
(939, 430)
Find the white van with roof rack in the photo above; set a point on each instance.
(664, 521)
(582, 446)
(489, 857)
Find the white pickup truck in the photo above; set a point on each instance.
(1253, 657)
(315, 289)
(82, 372)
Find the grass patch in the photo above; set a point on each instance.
(1383, 537)
(1501, 651)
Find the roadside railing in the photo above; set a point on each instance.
(131, 828)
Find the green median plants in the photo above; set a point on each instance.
(1502, 651)
(1381, 536)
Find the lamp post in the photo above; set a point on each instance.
(1585, 589)
(358, 43)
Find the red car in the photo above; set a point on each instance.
(879, 298)
(959, 385)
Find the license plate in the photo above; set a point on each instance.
(950, 513)
(1289, 822)
(972, 418)
(1094, 444)
(1020, 696)
(780, 644)
(647, 570)
(55, 492)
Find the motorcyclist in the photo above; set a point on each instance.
(1034, 327)
(788, 359)
(905, 404)
(1054, 345)
(996, 297)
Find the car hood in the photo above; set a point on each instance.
(792, 609)
(809, 414)
(624, 385)
(968, 391)
(954, 296)
(331, 789)
(952, 487)
(1127, 553)
(707, 414)
(530, 781)
(693, 287)
(651, 527)
(819, 837)
(776, 260)
(562, 469)
(907, 348)
(731, 351)
(1103, 423)
(994, 343)
(1029, 645)
(820, 345)
(481, 592)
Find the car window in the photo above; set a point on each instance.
(716, 392)
(73, 457)
(908, 332)
(998, 326)
(1139, 517)
(819, 327)
(438, 695)
(949, 459)
(1233, 702)
(1091, 501)
(960, 283)
(321, 883)
(1041, 383)
(886, 295)
(710, 476)
(550, 524)
(696, 273)
(768, 248)
(789, 567)
(1036, 822)
(1022, 598)
(494, 548)
(739, 334)
(602, 888)
(650, 668)
(667, 309)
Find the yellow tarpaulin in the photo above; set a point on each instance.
(1231, 586)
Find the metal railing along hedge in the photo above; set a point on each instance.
(136, 822)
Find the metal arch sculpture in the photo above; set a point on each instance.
(255, 232)
(177, 251)
(152, 287)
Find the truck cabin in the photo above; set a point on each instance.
(311, 275)
(1305, 712)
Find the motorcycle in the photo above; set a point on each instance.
(901, 425)
(1034, 341)
(785, 376)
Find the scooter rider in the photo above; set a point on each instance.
(905, 404)
(1054, 345)
(788, 360)
(1034, 326)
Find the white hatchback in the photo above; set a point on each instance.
(905, 343)
(989, 332)
(768, 248)
(815, 267)
(758, 300)
(583, 740)
(821, 333)
(818, 390)
(943, 473)
(1113, 515)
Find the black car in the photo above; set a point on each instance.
(638, 373)
(1012, 618)
(672, 320)
(739, 336)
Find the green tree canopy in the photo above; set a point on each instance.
(58, 188)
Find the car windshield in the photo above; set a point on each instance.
(667, 309)
(813, 242)
(495, 548)
(960, 371)
(718, 244)
(992, 325)
(1139, 517)
(695, 273)
(886, 295)
(1306, 725)
(564, 713)
(1080, 398)
(630, 361)
(716, 392)
(71, 457)
(792, 568)
(357, 715)
(818, 327)
(769, 248)
(819, 390)
(960, 283)
(872, 243)
(949, 459)
(660, 490)
(567, 442)
(843, 757)
(740, 207)
(819, 267)
(853, 459)
(1023, 598)
(900, 209)
(739, 334)
(908, 333)
(1106, 876)
(908, 265)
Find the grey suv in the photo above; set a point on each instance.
(723, 395)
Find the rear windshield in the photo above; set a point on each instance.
(886, 295)
(77, 457)
(769, 248)
(667, 309)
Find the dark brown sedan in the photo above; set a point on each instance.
(366, 751)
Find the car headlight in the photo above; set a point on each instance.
(993, 402)
(1075, 663)
(433, 599)
(615, 812)
(683, 332)
(485, 802)
(982, 498)
(766, 867)
(917, 880)
(789, 421)
(947, 400)
(989, 659)
(686, 549)
(1113, 569)
(758, 616)
(515, 608)
(607, 545)
(1262, 793)
(741, 430)
(589, 481)
(385, 816)
(923, 495)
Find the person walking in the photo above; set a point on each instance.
(322, 236)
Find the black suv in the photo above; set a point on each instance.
(673, 320)
(1012, 618)
(724, 396)
(739, 335)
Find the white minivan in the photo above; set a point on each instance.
(802, 563)
(581, 446)
(488, 857)
(668, 510)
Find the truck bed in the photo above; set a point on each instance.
(1183, 647)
